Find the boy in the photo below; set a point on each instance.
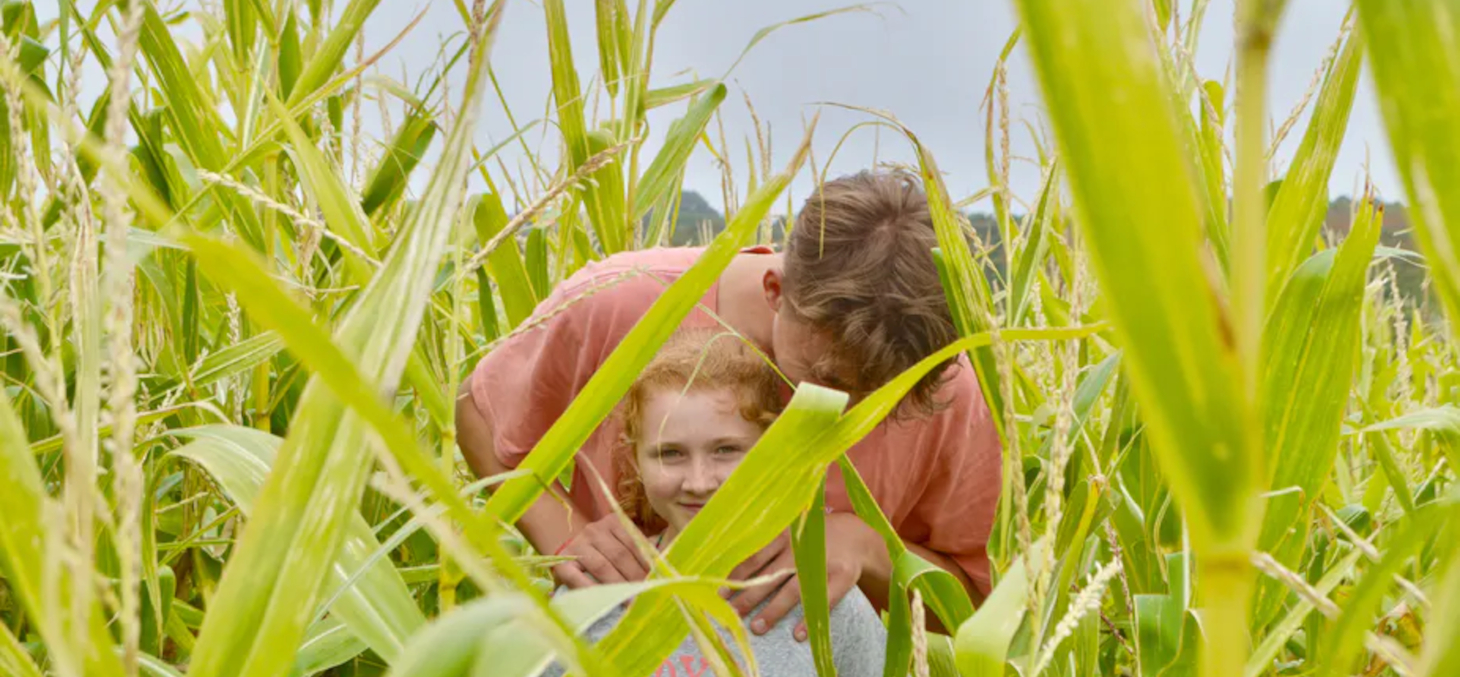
(853, 301)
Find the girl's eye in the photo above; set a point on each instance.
(728, 450)
(669, 453)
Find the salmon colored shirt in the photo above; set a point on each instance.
(936, 478)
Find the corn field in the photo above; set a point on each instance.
(233, 328)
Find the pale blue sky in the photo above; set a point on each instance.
(927, 61)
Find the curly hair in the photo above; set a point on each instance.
(859, 267)
(692, 359)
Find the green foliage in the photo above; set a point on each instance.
(229, 352)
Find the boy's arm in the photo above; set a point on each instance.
(604, 552)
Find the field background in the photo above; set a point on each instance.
(235, 317)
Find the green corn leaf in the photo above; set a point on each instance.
(941, 592)
(388, 181)
(449, 646)
(1312, 342)
(195, 123)
(505, 263)
(982, 642)
(1297, 211)
(328, 643)
(1261, 661)
(808, 539)
(153, 666)
(665, 171)
(487, 307)
(586, 606)
(323, 62)
(655, 98)
(290, 60)
(377, 608)
(242, 20)
(323, 183)
(54, 443)
(232, 360)
(1031, 255)
(14, 659)
(605, 209)
(23, 556)
(1442, 420)
(1345, 637)
(1144, 223)
(613, 21)
(537, 261)
(613, 378)
(259, 614)
(1411, 47)
(1162, 624)
(1440, 656)
(344, 216)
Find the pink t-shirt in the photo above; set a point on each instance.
(936, 478)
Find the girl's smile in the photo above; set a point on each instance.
(691, 443)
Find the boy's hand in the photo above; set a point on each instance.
(605, 554)
(845, 553)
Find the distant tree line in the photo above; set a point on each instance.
(697, 221)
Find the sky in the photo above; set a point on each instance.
(926, 61)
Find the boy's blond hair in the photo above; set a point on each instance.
(691, 360)
(859, 267)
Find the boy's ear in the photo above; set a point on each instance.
(771, 284)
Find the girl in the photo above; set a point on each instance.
(689, 419)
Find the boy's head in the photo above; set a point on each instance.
(689, 418)
(859, 299)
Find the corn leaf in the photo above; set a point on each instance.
(328, 643)
(323, 62)
(1344, 638)
(605, 209)
(505, 263)
(1313, 338)
(808, 539)
(1262, 657)
(377, 607)
(388, 181)
(982, 642)
(1144, 223)
(1411, 47)
(23, 546)
(267, 593)
(1297, 211)
(667, 168)
(14, 659)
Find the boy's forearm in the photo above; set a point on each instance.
(548, 523)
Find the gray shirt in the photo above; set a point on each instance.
(858, 644)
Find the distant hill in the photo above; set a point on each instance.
(697, 222)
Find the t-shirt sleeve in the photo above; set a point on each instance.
(962, 496)
(858, 638)
(523, 385)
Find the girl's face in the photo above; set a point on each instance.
(691, 442)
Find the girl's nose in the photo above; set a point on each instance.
(703, 477)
